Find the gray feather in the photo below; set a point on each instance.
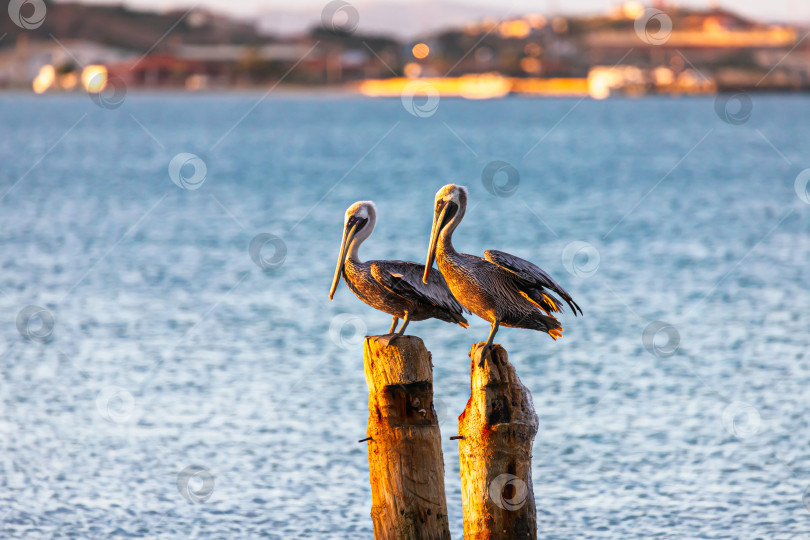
(405, 278)
(531, 274)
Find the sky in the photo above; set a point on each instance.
(766, 10)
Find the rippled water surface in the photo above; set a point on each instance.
(172, 349)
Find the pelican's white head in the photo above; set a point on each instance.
(361, 210)
(358, 224)
(453, 193)
(362, 215)
(448, 210)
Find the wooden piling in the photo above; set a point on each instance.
(498, 427)
(405, 461)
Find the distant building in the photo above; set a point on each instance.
(20, 64)
(695, 51)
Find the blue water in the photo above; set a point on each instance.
(172, 349)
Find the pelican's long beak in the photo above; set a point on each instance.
(348, 236)
(438, 219)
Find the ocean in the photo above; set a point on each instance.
(171, 366)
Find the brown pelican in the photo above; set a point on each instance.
(501, 288)
(394, 287)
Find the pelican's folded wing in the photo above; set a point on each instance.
(405, 279)
(530, 273)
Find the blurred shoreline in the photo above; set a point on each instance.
(632, 49)
(285, 92)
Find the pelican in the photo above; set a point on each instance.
(500, 288)
(394, 287)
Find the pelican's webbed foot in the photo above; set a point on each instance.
(387, 339)
(488, 346)
(486, 352)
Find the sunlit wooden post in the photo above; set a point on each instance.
(405, 460)
(496, 432)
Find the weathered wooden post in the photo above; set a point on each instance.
(405, 460)
(496, 431)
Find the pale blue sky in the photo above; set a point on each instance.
(769, 10)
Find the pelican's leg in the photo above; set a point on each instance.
(404, 324)
(493, 328)
(386, 340)
(393, 325)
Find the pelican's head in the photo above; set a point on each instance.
(357, 226)
(361, 210)
(452, 193)
(449, 207)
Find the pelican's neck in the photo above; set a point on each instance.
(353, 254)
(446, 236)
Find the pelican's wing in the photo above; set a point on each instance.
(405, 279)
(532, 274)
